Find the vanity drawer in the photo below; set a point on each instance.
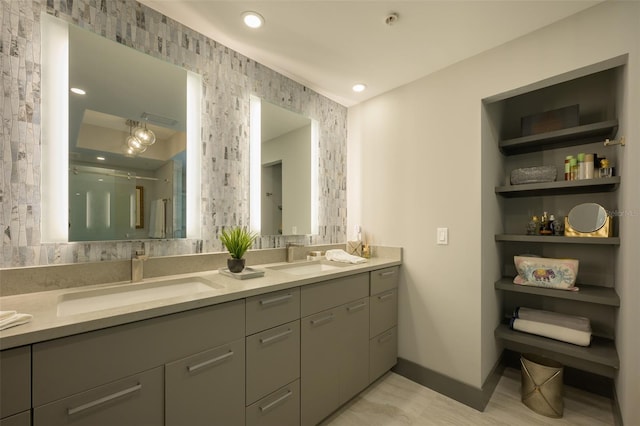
(136, 400)
(281, 408)
(272, 309)
(273, 360)
(207, 388)
(328, 294)
(22, 419)
(384, 279)
(383, 353)
(66, 366)
(15, 380)
(384, 312)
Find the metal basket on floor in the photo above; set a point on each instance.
(542, 385)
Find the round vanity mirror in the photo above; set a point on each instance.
(587, 217)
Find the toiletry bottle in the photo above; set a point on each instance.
(567, 167)
(582, 166)
(544, 224)
(532, 226)
(588, 164)
(605, 169)
(573, 164)
(551, 224)
(558, 226)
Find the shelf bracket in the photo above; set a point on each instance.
(620, 141)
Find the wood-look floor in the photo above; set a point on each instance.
(395, 401)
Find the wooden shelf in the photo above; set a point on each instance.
(572, 136)
(563, 187)
(612, 241)
(587, 293)
(600, 357)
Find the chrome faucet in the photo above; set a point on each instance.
(291, 251)
(137, 265)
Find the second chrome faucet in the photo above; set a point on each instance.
(137, 265)
(291, 251)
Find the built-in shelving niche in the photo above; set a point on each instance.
(597, 94)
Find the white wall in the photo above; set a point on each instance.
(294, 150)
(415, 164)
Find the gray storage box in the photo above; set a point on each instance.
(536, 174)
(542, 385)
(549, 121)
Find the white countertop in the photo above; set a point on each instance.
(47, 325)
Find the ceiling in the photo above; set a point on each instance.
(330, 45)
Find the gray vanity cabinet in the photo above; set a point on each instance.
(319, 366)
(354, 370)
(273, 359)
(283, 358)
(272, 309)
(280, 408)
(383, 343)
(334, 344)
(15, 387)
(20, 419)
(119, 372)
(207, 387)
(135, 400)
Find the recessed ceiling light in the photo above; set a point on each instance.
(252, 19)
(100, 158)
(78, 91)
(359, 87)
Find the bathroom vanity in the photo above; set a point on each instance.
(285, 349)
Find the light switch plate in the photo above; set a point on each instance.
(442, 236)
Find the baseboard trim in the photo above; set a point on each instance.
(617, 413)
(461, 392)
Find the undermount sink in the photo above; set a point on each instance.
(311, 267)
(130, 294)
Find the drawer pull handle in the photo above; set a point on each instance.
(104, 399)
(322, 320)
(192, 368)
(276, 299)
(356, 307)
(384, 338)
(387, 273)
(275, 337)
(276, 402)
(385, 296)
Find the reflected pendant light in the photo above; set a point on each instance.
(144, 135)
(133, 146)
(136, 145)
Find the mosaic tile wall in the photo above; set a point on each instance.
(228, 80)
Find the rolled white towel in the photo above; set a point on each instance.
(564, 334)
(156, 219)
(13, 318)
(555, 318)
(338, 255)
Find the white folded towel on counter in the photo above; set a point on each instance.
(338, 255)
(13, 318)
(557, 332)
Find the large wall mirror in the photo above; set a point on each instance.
(283, 171)
(121, 144)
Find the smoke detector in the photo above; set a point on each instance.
(391, 18)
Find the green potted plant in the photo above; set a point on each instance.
(237, 240)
